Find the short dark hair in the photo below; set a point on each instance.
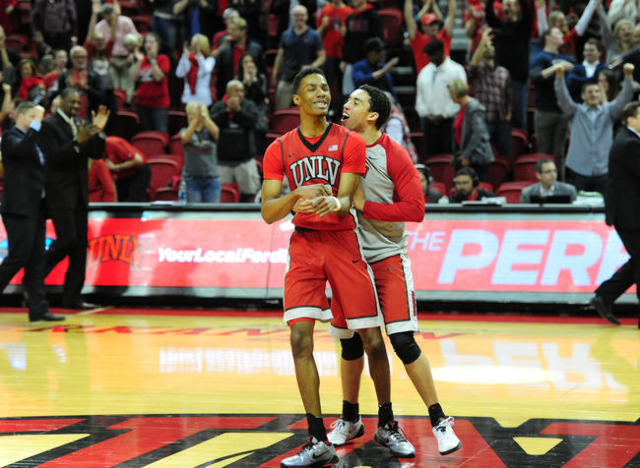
(630, 110)
(540, 163)
(593, 42)
(590, 82)
(468, 171)
(67, 91)
(436, 45)
(373, 43)
(304, 73)
(24, 107)
(378, 102)
(545, 34)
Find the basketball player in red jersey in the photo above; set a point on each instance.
(391, 194)
(323, 163)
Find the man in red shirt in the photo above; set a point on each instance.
(128, 168)
(331, 20)
(323, 163)
(430, 22)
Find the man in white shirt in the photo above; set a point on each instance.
(433, 103)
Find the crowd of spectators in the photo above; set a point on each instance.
(542, 80)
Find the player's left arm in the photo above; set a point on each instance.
(408, 202)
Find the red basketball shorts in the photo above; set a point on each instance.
(394, 284)
(316, 257)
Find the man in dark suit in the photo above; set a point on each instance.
(622, 210)
(23, 208)
(68, 142)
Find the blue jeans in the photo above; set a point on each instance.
(203, 190)
(153, 120)
(520, 103)
(169, 32)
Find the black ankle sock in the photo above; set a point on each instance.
(385, 414)
(436, 414)
(316, 427)
(350, 411)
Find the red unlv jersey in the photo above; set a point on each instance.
(321, 160)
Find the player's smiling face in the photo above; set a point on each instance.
(356, 110)
(313, 95)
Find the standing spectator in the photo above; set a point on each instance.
(128, 168)
(512, 35)
(471, 146)
(547, 174)
(222, 38)
(24, 208)
(430, 19)
(122, 69)
(550, 123)
(255, 83)
(475, 23)
(196, 16)
(152, 95)
(60, 59)
(360, 25)
(200, 169)
(491, 86)
(372, 69)
(300, 47)
(101, 186)
(250, 10)
(56, 20)
(622, 211)
(431, 195)
(196, 66)
(591, 130)
(67, 143)
(466, 183)
(239, 120)
(587, 70)
(622, 9)
(433, 102)
(331, 21)
(620, 41)
(123, 25)
(558, 20)
(229, 54)
(78, 77)
(166, 24)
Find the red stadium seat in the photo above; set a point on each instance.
(519, 143)
(121, 98)
(230, 193)
(162, 171)
(284, 120)
(497, 173)
(512, 191)
(128, 124)
(177, 121)
(175, 145)
(142, 23)
(150, 142)
(523, 168)
(166, 194)
(441, 169)
(392, 24)
(17, 42)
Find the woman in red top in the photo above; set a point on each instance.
(152, 95)
(28, 85)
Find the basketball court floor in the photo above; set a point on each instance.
(193, 388)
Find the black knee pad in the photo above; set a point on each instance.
(405, 347)
(352, 348)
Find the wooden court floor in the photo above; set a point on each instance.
(184, 388)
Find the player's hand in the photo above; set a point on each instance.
(312, 191)
(358, 198)
(303, 206)
(322, 206)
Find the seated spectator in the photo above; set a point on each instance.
(229, 54)
(430, 20)
(239, 120)
(300, 47)
(431, 195)
(28, 85)
(491, 86)
(548, 186)
(398, 129)
(101, 186)
(591, 130)
(60, 59)
(200, 170)
(466, 183)
(196, 66)
(372, 69)
(128, 168)
(152, 95)
(433, 101)
(470, 139)
(255, 83)
(586, 70)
